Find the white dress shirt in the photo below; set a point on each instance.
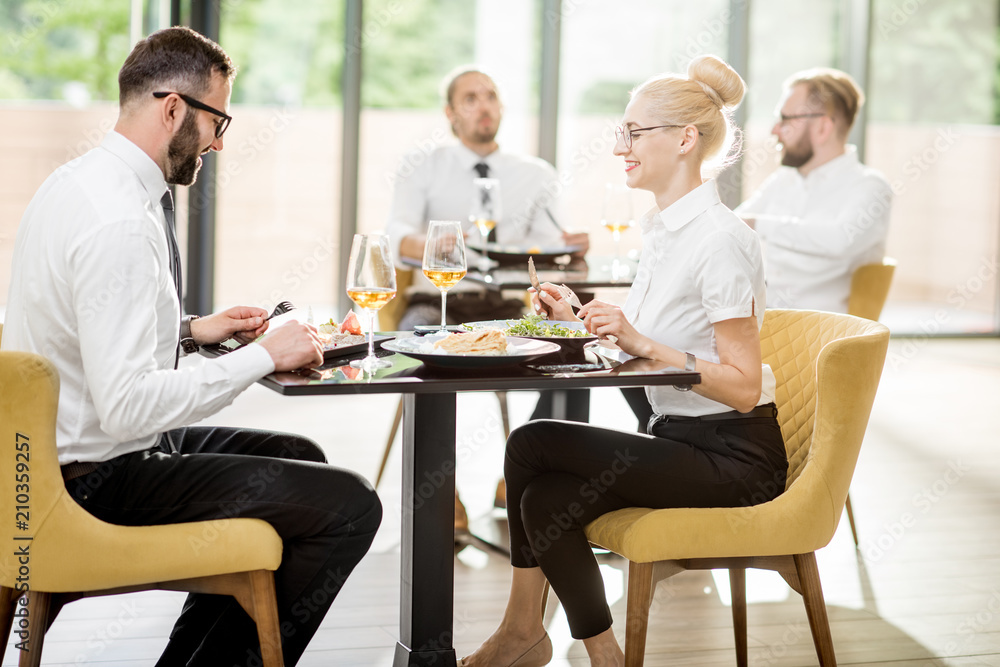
(700, 265)
(92, 291)
(817, 230)
(439, 186)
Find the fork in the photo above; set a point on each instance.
(282, 308)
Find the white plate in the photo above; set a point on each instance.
(422, 347)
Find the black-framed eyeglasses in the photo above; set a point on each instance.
(782, 118)
(628, 135)
(220, 127)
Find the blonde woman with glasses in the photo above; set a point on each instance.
(698, 303)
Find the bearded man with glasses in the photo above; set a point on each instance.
(823, 213)
(96, 287)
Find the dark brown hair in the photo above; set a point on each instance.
(176, 59)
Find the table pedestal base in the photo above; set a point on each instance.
(427, 551)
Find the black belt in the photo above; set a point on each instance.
(766, 411)
(78, 469)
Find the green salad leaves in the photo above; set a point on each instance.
(536, 326)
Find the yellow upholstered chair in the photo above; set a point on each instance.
(62, 553)
(827, 368)
(869, 289)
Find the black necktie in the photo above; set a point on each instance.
(483, 170)
(167, 202)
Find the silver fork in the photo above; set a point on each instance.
(282, 308)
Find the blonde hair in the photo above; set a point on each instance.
(705, 98)
(834, 90)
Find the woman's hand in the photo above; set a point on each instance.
(551, 302)
(605, 321)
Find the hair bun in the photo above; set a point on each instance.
(720, 81)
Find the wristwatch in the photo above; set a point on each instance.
(689, 364)
(187, 342)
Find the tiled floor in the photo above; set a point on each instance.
(923, 589)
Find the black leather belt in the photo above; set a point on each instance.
(766, 411)
(78, 469)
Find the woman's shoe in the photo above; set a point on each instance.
(538, 655)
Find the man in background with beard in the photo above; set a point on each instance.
(96, 289)
(823, 213)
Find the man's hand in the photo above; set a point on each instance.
(244, 323)
(294, 345)
(412, 246)
(581, 239)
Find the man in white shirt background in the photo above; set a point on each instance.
(442, 186)
(96, 289)
(822, 214)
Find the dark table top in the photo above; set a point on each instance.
(408, 375)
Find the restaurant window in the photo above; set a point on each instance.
(278, 177)
(408, 49)
(58, 95)
(934, 108)
(607, 50)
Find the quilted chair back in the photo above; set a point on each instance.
(847, 353)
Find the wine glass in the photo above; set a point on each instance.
(485, 212)
(444, 258)
(371, 283)
(616, 218)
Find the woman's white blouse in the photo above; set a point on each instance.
(700, 265)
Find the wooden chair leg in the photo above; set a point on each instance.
(640, 595)
(738, 593)
(504, 418)
(265, 614)
(39, 605)
(8, 602)
(812, 596)
(388, 443)
(850, 519)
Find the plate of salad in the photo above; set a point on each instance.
(571, 336)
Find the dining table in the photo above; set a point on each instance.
(429, 457)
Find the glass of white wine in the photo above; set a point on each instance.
(485, 212)
(444, 258)
(371, 283)
(617, 216)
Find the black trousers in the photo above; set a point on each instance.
(563, 475)
(635, 396)
(326, 517)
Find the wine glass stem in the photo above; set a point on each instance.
(618, 243)
(484, 261)
(371, 332)
(444, 303)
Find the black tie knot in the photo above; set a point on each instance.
(167, 201)
(482, 169)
